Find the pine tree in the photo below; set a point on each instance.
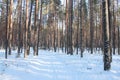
(106, 23)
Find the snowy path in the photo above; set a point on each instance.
(58, 66)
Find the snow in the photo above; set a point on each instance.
(57, 66)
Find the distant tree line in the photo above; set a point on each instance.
(75, 26)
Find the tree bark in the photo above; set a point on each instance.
(106, 23)
(26, 31)
(81, 30)
(70, 49)
(40, 25)
(10, 26)
(36, 28)
(19, 29)
(6, 41)
(91, 26)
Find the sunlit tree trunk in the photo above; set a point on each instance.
(10, 26)
(26, 31)
(29, 25)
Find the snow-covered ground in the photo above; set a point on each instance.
(57, 66)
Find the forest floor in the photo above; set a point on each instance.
(57, 66)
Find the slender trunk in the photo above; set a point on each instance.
(91, 26)
(36, 28)
(118, 40)
(62, 40)
(55, 31)
(67, 16)
(96, 32)
(10, 27)
(29, 30)
(6, 41)
(19, 30)
(81, 30)
(77, 39)
(70, 49)
(118, 31)
(110, 32)
(113, 28)
(40, 25)
(26, 31)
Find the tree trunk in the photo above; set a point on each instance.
(77, 38)
(26, 31)
(29, 25)
(10, 26)
(66, 23)
(6, 41)
(91, 26)
(19, 29)
(105, 17)
(70, 49)
(40, 25)
(81, 30)
(118, 30)
(113, 28)
(36, 28)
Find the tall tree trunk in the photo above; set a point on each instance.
(118, 30)
(40, 25)
(113, 28)
(19, 29)
(36, 28)
(118, 40)
(29, 25)
(6, 41)
(106, 23)
(91, 26)
(10, 26)
(70, 49)
(81, 30)
(66, 23)
(78, 20)
(26, 31)
(110, 30)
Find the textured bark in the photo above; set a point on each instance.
(118, 40)
(66, 23)
(70, 49)
(91, 26)
(105, 17)
(6, 41)
(10, 26)
(113, 28)
(110, 32)
(78, 20)
(39, 27)
(26, 31)
(20, 25)
(81, 30)
(29, 25)
(36, 28)
(118, 31)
